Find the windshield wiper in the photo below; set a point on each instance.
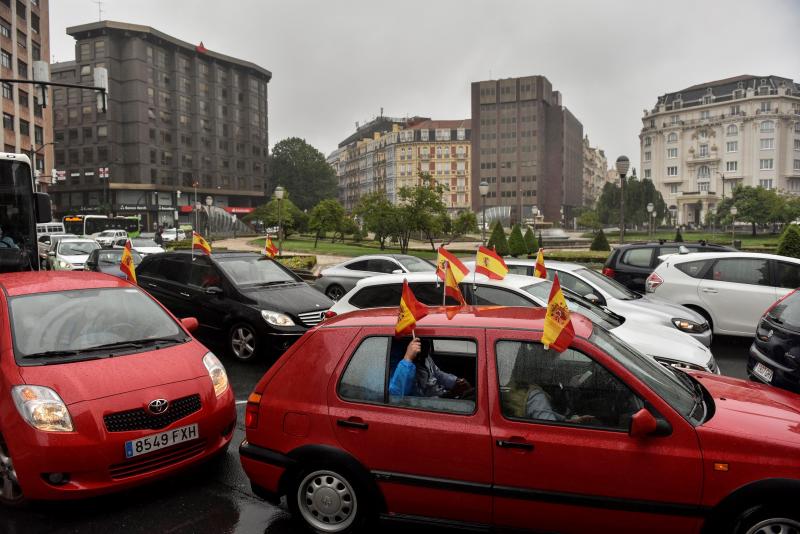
(275, 283)
(116, 345)
(51, 354)
(695, 389)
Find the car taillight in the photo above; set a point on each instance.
(653, 281)
(778, 302)
(609, 272)
(251, 411)
(329, 314)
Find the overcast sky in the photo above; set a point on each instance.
(338, 62)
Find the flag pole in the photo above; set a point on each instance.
(444, 285)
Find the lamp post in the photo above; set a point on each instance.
(623, 163)
(734, 211)
(279, 192)
(196, 207)
(209, 202)
(177, 208)
(484, 190)
(535, 212)
(713, 213)
(650, 208)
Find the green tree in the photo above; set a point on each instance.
(599, 242)
(346, 225)
(326, 217)
(589, 219)
(530, 241)
(424, 210)
(379, 216)
(498, 239)
(303, 171)
(516, 242)
(789, 244)
(638, 193)
(756, 205)
(608, 204)
(678, 236)
(463, 223)
(280, 213)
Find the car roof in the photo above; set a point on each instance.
(377, 257)
(79, 240)
(467, 316)
(560, 265)
(694, 256)
(672, 243)
(511, 280)
(220, 255)
(27, 283)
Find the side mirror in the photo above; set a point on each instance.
(397, 271)
(214, 290)
(52, 254)
(642, 424)
(44, 209)
(190, 323)
(591, 297)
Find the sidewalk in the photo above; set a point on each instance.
(242, 244)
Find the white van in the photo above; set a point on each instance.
(51, 228)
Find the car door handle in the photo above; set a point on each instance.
(181, 293)
(152, 285)
(353, 422)
(511, 444)
(709, 290)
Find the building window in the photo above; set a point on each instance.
(768, 144)
(672, 153)
(22, 39)
(24, 127)
(703, 173)
(23, 98)
(673, 189)
(736, 110)
(702, 186)
(34, 23)
(732, 166)
(797, 127)
(8, 121)
(647, 156)
(766, 164)
(732, 130)
(5, 59)
(99, 49)
(767, 126)
(22, 69)
(797, 164)
(797, 144)
(5, 28)
(36, 51)
(647, 141)
(732, 146)
(672, 171)
(703, 152)
(102, 132)
(647, 174)
(22, 11)
(8, 91)
(765, 107)
(766, 183)
(672, 138)
(705, 114)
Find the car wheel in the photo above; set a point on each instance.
(242, 342)
(335, 292)
(768, 520)
(328, 501)
(10, 492)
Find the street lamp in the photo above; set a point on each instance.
(209, 202)
(713, 213)
(535, 212)
(734, 211)
(484, 190)
(279, 192)
(650, 208)
(623, 163)
(177, 207)
(196, 207)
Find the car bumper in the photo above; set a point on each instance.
(94, 458)
(264, 467)
(782, 377)
(703, 337)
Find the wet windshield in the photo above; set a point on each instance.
(77, 248)
(596, 314)
(144, 243)
(609, 285)
(416, 265)
(255, 270)
(115, 256)
(17, 224)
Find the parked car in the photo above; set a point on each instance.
(605, 291)
(324, 429)
(664, 343)
(143, 246)
(775, 352)
(731, 290)
(46, 243)
(631, 264)
(70, 254)
(252, 302)
(338, 280)
(117, 393)
(107, 238)
(108, 261)
(172, 234)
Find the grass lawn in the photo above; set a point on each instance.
(722, 238)
(324, 246)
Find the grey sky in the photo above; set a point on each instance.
(337, 62)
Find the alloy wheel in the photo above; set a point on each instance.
(327, 501)
(243, 342)
(9, 485)
(335, 292)
(775, 525)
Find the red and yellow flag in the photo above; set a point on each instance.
(411, 311)
(558, 331)
(269, 248)
(199, 242)
(490, 263)
(539, 270)
(126, 263)
(454, 264)
(451, 290)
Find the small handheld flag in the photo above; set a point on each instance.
(457, 266)
(490, 263)
(539, 270)
(269, 248)
(126, 264)
(411, 311)
(558, 331)
(199, 242)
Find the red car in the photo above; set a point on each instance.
(481, 426)
(100, 388)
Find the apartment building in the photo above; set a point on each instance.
(595, 172)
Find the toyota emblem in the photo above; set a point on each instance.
(158, 406)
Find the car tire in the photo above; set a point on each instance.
(10, 491)
(704, 313)
(242, 342)
(335, 292)
(766, 519)
(328, 500)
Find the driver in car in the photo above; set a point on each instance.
(418, 375)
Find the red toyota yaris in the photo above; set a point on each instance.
(100, 388)
(477, 424)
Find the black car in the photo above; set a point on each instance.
(775, 352)
(108, 260)
(631, 264)
(253, 302)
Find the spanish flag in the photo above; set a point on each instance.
(411, 311)
(199, 242)
(445, 260)
(539, 270)
(558, 331)
(269, 248)
(490, 263)
(126, 263)
(451, 290)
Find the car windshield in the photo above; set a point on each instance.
(79, 323)
(787, 312)
(77, 248)
(416, 265)
(609, 285)
(664, 381)
(143, 243)
(111, 257)
(255, 270)
(575, 303)
(108, 233)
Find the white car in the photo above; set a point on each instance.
(70, 254)
(667, 345)
(145, 247)
(605, 291)
(731, 290)
(106, 238)
(172, 234)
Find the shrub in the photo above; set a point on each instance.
(530, 241)
(789, 244)
(298, 262)
(516, 242)
(678, 236)
(498, 239)
(599, 242)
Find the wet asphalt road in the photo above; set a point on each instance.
(216, 497)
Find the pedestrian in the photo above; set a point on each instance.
(158, 238)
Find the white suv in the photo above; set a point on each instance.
(731, 289)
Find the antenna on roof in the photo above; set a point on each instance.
(99, 9)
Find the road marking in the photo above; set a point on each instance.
(241, 402)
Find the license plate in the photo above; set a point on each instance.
(159, 441)
(763, 372)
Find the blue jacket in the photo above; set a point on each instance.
(428, 381)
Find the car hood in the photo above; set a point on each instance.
(654, 307)
(290, 298)
(96, 379)
(663, 342)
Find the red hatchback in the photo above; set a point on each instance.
(478, 425)
(100, 388)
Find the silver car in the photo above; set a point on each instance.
(605, 291)
(338, 280)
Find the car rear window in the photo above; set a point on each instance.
(638, 257)
(787, 312)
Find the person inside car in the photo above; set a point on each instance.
(418, 375)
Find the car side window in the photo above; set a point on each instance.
(429, 294)
(574, 284)
(364, 378)
(357, 266)
(695, 269)
(203, 274)
(175, 269)
(519, 269)
(786, 275)
(382, 266)
(541, 386)
(149, 268)
(750, 271)
(495, 296)
(638, 257)
(377, 296)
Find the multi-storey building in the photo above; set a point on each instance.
(528, 147)
(699, 143)
(389, 154)
(183, 123)
(27, 126)
(595, 172)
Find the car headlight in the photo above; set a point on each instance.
(685, 325)
(277, 318)
(42, 408)
(64, 265)
(219, 378)
(679, 365)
